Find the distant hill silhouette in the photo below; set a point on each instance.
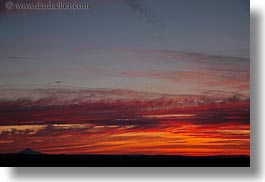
(26, 159)
(29, 151)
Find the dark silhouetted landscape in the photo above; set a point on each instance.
(30, 158)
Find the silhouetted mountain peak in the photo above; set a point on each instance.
(29, 151)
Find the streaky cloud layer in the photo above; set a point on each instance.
(108, 121)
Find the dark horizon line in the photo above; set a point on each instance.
(243, 155)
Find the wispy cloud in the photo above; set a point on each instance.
(108, 107)
(149, 17)
(18, 58)
(235, 80)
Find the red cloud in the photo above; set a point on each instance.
(125, 122)
(108, 105)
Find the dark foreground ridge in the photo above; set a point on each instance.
(43, 160)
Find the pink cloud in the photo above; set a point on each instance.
(237, 80)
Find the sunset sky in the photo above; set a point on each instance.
(127, 77)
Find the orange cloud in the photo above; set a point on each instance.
(129, 126)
